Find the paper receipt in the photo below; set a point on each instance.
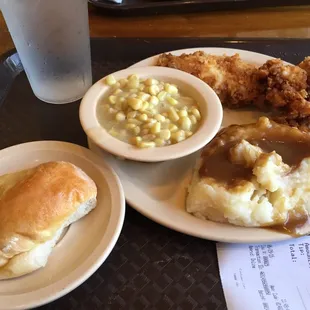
(273, 276)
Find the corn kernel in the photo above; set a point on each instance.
(110, 80)
(178, 136)
(133, 84)
(165, 114)
(153, 100)
(117, 91)
(135, 103)
(123, 82)
(143, 117)
(130, 126)
(143, 96)
(173, 128)
(162, 95)
(150, 82)
(136, 140)
(159, 142)
(185, 123)
(134, 121)
(172, 101)
(165, 134)
(116, 86)
(133, 91)
(156, 128)
(145, 144)
(153, 90)
(188, 134)
(133, 81)
(196, 113)
(120, 116)
(112, 99)
(193, 119)
(183, 112)
(145, 106)
(171, 89)
(133, 77)
(136, 130)
(159, 118)
(173, 115)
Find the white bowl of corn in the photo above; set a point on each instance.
(151, 114)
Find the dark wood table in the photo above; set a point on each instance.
(284, 22)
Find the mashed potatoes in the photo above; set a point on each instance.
(251, 184)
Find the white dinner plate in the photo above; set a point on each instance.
(87, 242)
(158, 190)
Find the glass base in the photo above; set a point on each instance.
(65, 101)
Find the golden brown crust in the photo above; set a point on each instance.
(35, 203)
(235, 81)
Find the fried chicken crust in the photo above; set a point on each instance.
(235, 81)
(286, 92)
(285, 84)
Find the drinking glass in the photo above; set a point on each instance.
(52, 40)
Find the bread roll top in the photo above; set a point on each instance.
(36, 203)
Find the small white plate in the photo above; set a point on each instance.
(158, 190)
(210, 108)
(86, 244)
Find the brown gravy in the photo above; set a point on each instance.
(219, 167)
(296, 223)
(292, 152)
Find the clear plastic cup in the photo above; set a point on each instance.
(52, 40)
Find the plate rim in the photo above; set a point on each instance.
(149, 214)
(71, 281)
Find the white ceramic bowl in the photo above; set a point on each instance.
(209, 103)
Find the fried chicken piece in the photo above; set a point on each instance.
(285, 84)
(235, 81)
(286, 92)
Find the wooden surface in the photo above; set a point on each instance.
(290, 22)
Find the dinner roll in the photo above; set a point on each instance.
(36, 205)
